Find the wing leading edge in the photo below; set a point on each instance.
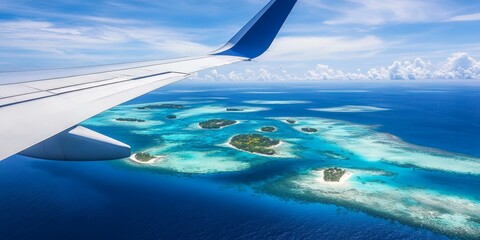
(39, 108)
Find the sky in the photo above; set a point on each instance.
(322, 40)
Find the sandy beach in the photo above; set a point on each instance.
(343, 180)
(154, 160)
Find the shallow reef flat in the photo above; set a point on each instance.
(365, 190)
(110, 118)
(184, 103)
(215, 109)
(195, 162)
(204, 98)
(373, 146)
(350, 109)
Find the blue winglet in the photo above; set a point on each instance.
(257, 36)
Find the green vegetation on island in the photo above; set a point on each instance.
(310, 130)
(333, 174)
(268, 129)
(334, 155)
(144, 157)
(254, 143)
(171, 117)
(216, 123)
(130, 120)
(162, 106)
(291, 121)
(235, 110)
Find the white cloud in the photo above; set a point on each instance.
(418, 69)
(465, 18)
(458, 66)
(378, 12)
(319, 48)
(47, 37)
(247, 75)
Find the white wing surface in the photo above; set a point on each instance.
(44, 103)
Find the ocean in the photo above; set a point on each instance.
(412, 150)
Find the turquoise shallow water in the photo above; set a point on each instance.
(414, 165)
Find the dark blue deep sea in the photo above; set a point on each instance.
(113, 200)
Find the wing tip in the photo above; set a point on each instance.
(255, 38)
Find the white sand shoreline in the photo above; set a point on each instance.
(343, 180)
(154, 160)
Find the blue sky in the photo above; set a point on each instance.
(351, 39)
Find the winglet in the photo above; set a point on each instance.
(257, 36)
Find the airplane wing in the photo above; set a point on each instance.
(43, 104)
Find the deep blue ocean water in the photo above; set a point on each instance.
(113, 200)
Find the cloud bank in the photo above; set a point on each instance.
(458, 66)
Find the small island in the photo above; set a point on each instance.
(130, 120)
(333, 174)
(143, 157)
(162, 106)
(291, 121)
(268, 129)
(310, 130)
(171, 117)
(235, 110)
(216, 123)
(254, 143)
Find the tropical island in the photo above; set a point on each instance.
(171, 117)
(216, 123)
(235, 110)
(254, 143)
(309, 130)
(333, 174)
(142, 157)
(268, 129)
(291, 121)
(130, 120)
(162, 106)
